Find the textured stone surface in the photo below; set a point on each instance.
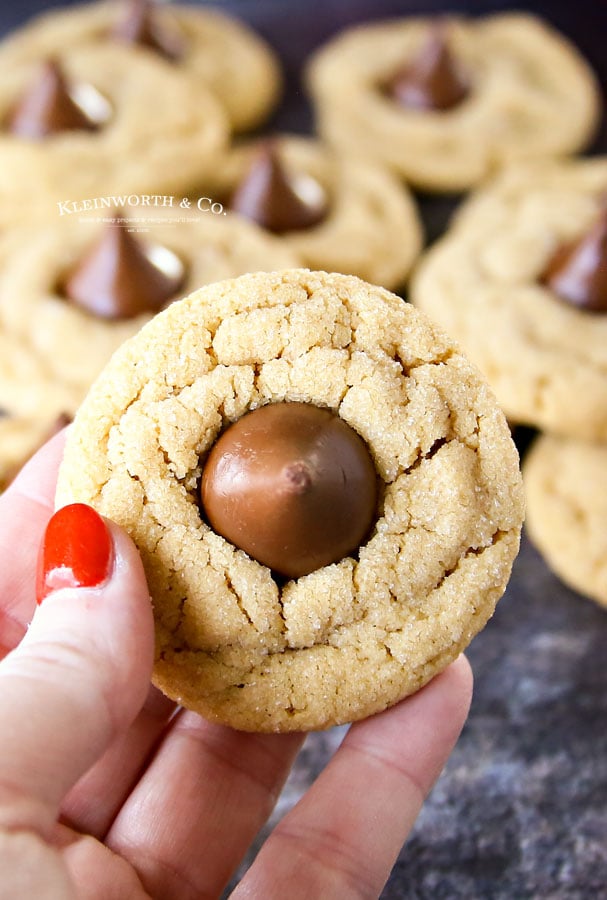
(521, 809)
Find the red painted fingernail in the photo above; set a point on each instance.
(77, 551)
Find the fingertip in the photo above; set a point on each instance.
(128, 561)
(107, 612)
(445, 700)
(129, 578)
(458, 679)
(81, 673)
(425, 725)
(126, 597)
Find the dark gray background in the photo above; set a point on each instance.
(521, 810)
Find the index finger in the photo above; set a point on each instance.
(25, 508)
(343, 837)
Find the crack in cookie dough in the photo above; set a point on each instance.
(233, 641)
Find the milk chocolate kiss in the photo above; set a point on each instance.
(433, 80)
(138, 25)
(292, 485)
(117, 279)
(47, 106)
(269, 196)
(577, 273)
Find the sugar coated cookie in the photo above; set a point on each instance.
(519, 281)
(566, 487)
(443, 103)
(220, 52)
(301, 403)
(337, 213)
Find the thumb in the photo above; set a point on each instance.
(81, 673)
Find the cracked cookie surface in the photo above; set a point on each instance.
(566, 487)
(545, 359)
(351, 638)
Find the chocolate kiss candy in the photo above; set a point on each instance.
(117, 279)
(138, 27)
(47, 107)
(292, 485)
(433, 81)
(276, 201)
(577, 273)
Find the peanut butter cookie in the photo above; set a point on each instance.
(219, 52)
(519, 281)
(284, 407)
(138, 127)
(337, 213)
(443, 103)
(566, 486)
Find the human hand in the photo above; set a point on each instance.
(107, 791)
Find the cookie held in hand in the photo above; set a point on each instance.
(249, 641)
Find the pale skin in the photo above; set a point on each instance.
(107, 792)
